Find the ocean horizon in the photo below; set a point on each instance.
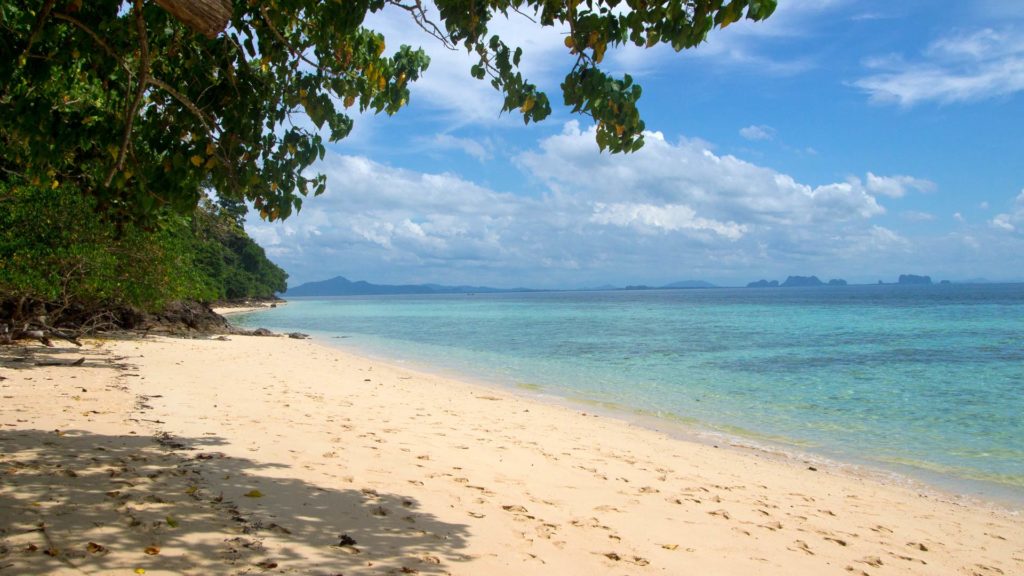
(923, 381)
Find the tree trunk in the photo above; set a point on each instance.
(208, 17)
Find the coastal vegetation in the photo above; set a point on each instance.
(63, 270)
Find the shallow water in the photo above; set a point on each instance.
(928, 379)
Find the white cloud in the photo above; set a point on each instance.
(981, 65)
(757, 132)
(481, 150)
(1002, 222)
(722, 188)
(897, 186)
(646, 218)
(1014, 219)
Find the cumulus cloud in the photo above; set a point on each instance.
(755, 132)
(671, 204)
(670, 218)
(723, 188)
(967, 67)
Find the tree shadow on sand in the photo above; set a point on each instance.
(79, 500)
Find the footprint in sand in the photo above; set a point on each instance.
(801, 546)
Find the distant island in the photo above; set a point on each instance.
(683, 285)
(813, 281)
(796, 282)
(914, 279)
(341, 286)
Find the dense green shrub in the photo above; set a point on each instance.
(55, 251)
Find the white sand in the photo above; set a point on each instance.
(425, 474)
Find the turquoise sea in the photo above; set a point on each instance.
(927, 381)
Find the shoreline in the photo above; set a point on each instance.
(268, 451)
(245, 308)
(944, 485)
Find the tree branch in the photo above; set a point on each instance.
(198, 113)
(44, 13)
(95, 37)
(129, 121)
(419, 15)
(280, 38)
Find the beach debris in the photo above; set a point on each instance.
(349, 549)
(347, 540)
(253, 494)
(920, 546)
(514, 508)
(152, 550)
(670, 546)
(407, 570)
(171, 521)
(274, 527)
(802, 546)
(78, 362)
(164, 439)
(722, 513)
(871, 561)
(613, 556)
(267, 565)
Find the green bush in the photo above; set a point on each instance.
(56, 250)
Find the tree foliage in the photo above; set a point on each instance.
(55, 254)
(125, 103)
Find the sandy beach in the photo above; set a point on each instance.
(279, 456)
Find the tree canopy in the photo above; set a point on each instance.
(142, 108)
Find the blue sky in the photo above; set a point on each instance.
(842, 138)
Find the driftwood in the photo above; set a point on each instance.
(208, 17)
(36, 331)
(78, 362)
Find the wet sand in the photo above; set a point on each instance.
(280, 456)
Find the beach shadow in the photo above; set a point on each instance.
(20, 357)
(79, 500)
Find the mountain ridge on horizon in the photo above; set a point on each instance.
(342, 286)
